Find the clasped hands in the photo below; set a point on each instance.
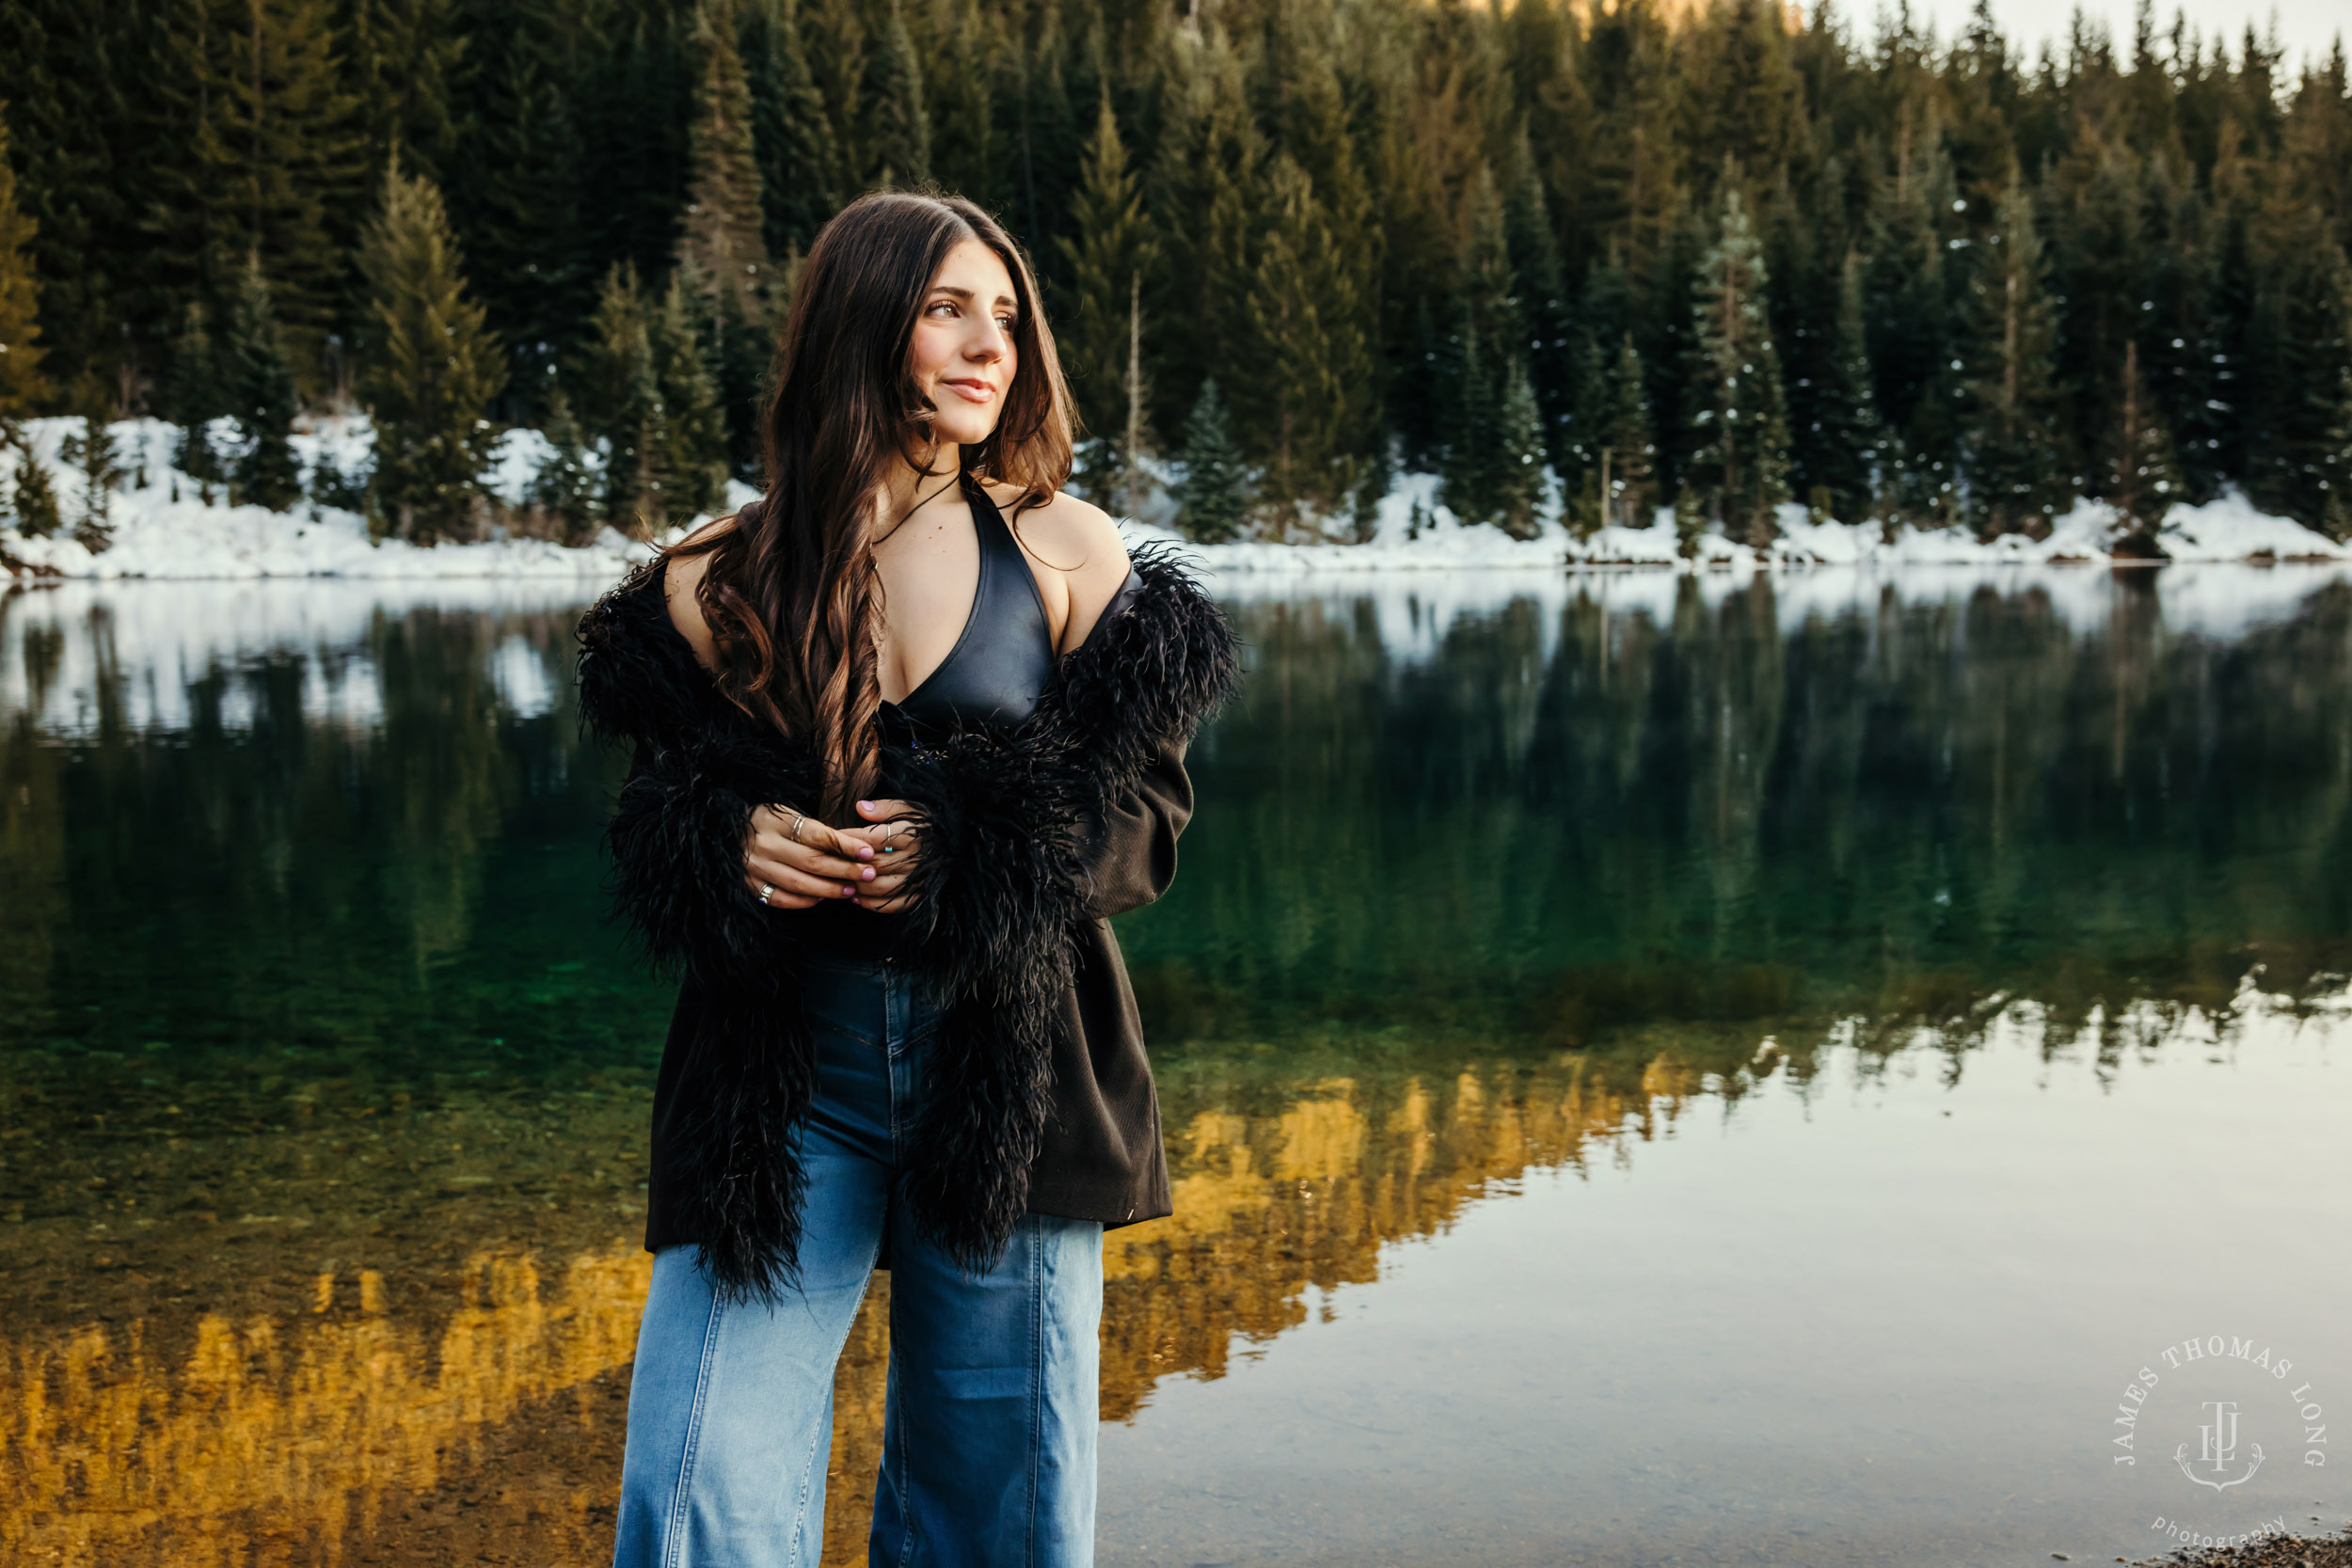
(792, 860)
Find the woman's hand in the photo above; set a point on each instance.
(893, 833)
(791, 860)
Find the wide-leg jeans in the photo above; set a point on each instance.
(989, 1409)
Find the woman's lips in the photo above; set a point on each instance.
(976, 391)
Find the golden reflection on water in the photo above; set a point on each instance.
(355, 1429)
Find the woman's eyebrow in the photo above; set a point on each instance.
(966, 293)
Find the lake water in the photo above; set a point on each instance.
(1658, 1070)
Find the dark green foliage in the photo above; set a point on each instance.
(565, 486)
(2136, 472)
(1367, 219)
(431, 367)
(35, 504)
(1736, 420)
(1215, 493)
(647, 395)
(2017, 467)
(258, 385)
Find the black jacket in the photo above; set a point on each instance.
(1041, 1096)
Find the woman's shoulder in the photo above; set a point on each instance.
(1075, 539)
(643, 660)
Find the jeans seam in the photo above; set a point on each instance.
(674, 1547)
(1037, 1371)
(824, 1437)
(906, 1510)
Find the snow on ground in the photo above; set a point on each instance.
(161, 529)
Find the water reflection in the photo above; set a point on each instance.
(322, 1079)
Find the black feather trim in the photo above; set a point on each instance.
(1000, 889)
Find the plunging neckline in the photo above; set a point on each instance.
(977, 496)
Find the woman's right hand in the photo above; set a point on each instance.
(798, 872)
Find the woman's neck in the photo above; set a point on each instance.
(906, 486)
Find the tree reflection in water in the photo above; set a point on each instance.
(322, 1080)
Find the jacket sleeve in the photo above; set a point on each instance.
(1130, 846)
(676, 840)
(676, 835)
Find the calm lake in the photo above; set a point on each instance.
(1811, 1072)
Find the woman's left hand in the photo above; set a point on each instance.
(895, 831)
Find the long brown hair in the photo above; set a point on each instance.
(791, 592)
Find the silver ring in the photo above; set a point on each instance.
(765, 889)
(797, 817)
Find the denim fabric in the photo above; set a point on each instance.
(988, 1419)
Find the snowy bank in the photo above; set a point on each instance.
(161, 529)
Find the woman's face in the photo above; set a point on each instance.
(963, 353)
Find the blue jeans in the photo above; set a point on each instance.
(988, 1414)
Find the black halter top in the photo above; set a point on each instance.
(995, 674)
(1005, 652)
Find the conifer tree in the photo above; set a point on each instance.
(723, 251)
(799, 162)
(2138, 474)
(277, 166)
(22, 387)
(648, 394)
(1627, 470)
(431, 366)
(1737, 469)
(1113, 245)
(2018, 475)
(1467, 418)
(899, 147)
(2335, 480)
(520, 201)
(38, 514)
(1520, 439)
(259, 386)
(1309, 408)
(96, 453)
(1476, 364)
(565, 486)
(192, 397)
(1215, 494)
(406, 62)
(1551, 340)
(1849, 441)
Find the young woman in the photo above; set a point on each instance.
(907, 731)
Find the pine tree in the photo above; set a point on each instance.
(723, 252)
(1475, 365)
(1307, 410)
(1627, 471)
(1737, 469)
(2336, 465)
(22, 387)
(100, 458)
(1215, 493)
(1551, 340)
(192, 397)
(259, 384)
(2017, 472)
(1113, 245)
(899, 142)
(1519, 441)
(278, 166)
(799, 162)
(430, 365)
(2138, 474)
(695, 460)
(648, 394)
(407, 64)
(520, 200)
(565, 486)
(38, 514)
(1849, 440)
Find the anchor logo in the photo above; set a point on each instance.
(2220, 1448)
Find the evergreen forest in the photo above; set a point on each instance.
(1719, 257)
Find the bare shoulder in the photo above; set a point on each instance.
(681, 582)
(1079, 543)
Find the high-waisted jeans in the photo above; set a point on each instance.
(989, 1412)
